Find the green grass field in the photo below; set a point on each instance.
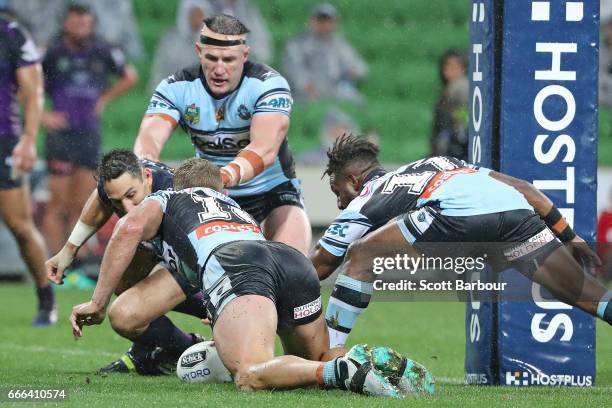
(431, 333)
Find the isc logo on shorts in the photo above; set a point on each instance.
(308, 309)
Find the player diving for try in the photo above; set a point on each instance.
(237, 115)
(123, 182)
(253, 288)
(442, 200)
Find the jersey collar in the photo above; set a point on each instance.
(372, 175)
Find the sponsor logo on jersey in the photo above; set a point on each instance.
(192, 114)
(308, 309)
(443, 176)
(276, 101)
(220, 226)
(192, 359)
(220, 143)
(155, 104)
(338, 230)
(244, 113)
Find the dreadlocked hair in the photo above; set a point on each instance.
(348, 149)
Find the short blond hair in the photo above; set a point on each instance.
(196, 172)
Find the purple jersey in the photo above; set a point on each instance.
(75, 80)
(16, 50)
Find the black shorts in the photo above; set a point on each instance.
(67, 150)
(270, 269)
(261, 205)
(7, 144)
(512, 239)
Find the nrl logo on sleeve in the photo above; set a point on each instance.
(192, 114)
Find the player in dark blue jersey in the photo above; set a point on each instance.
(443, 200)
(123, 182)
(21, 80)
(254, 289)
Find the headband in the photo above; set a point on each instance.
(220, 43)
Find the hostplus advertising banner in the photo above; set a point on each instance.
(533, 73)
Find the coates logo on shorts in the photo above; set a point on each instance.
(525, 378)
(214, 227)
(308, 309)
(191, 360)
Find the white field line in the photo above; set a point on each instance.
(56, 350)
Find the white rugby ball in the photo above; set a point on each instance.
(201, 363)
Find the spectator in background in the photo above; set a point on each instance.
(77, 69)
(20, 72)
(334, 124)
(176, 50)
(320, 63)
(449, 135)
(115, 21)
(116, 25)
(605, 66)
(248, 13)
(41, 17)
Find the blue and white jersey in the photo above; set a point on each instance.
(220, 127)
(454, 187)
(196, 221)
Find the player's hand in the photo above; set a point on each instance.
(85, 314)
(24, 155)
(205, 322)
(225, 177)
(56, 265)
(55, 121)
(583, 253)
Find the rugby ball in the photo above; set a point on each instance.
(201, 363)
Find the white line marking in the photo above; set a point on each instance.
(56, 350)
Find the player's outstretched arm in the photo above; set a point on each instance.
(324, 262)
(268, 132)
(540, 203)
(139, 224)
(154, 132)
(93, 216)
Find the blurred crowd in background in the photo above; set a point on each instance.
(89, 47)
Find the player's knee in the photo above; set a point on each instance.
(248, 378)
(22, 230)
(124, 320)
